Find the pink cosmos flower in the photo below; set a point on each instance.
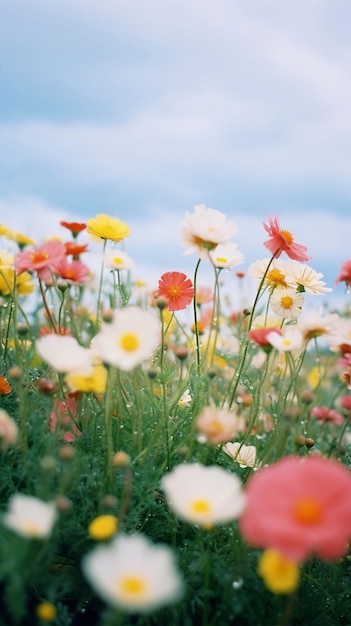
(300, 506)
(62, 419)
(177, 289)
(324, 414)
(282, 241)
(75, 271)
(43, 260)
(344, 274)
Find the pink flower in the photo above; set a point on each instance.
(324, 414)
(345, 402)
(43, 260)
(261, 335)
(344, 274)
(282, 241)
(300, 506)
(62, 419)
(75, 271)
(177, 289)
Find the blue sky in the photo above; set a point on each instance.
(143, 109)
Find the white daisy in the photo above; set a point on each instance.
(204, 229)
(64, 353)
(30, 517)
(286, 303)
(304, 278)
(244, 455)
(133, 574)
(117, 260)
(315, 324)
(291, 340)
(226, 255)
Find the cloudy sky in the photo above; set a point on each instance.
(143, 109)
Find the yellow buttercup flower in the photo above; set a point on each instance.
(103, 527)
(20, 239)
(107, 227)
(46, 611)
(280, 575)
(94, 382)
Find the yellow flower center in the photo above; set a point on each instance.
(286, 234)
(201, 506)
(286, 302)
(277, 277)
(221, 259)
(307, 511)
(133, 585)
(174, 291)
(129, 342)
(31, 529)
(118, 260)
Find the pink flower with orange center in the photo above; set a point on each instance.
(177, 289)
(344, 274)
(75, 272)
(325, 414)
(300, 507)
(283, 241)
(42, 260)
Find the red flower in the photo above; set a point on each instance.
(260, 336)
(299, 506)
(177, 289)
(344, 274)
(5, 386)
(324, 414)
(74, 227)
(282, 241)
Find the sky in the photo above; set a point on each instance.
(142, 110)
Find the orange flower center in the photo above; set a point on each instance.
(38, 256)
(277, 277)
(286, 234)
(307, 511)
(287, 302)
(174, 291)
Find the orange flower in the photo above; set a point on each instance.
(177, 289)
(5, 386)
(74, 227)
(75, 249)
(282, 241)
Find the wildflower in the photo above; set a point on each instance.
(42, 260)
(226, 255)
(63, 419)
(117, 260)
(64, 353)
(280, 575)
(244, 455)
(282, 241)
(103, 527)
(107, 227)
(75, 272)
(203, 295)
(74, 249)
(290, 340)
(305, 279)
(261, 336)
(344, 275)
(94, 381)
(325, 414)
(177, 289)
(8, 431)
(20, 239)
(46, 611)
(286, 303)
(204, 229)
(299, 507)
(74, 227)
(185, 399)
(133, 574)
(315, 324)
(30, 517)
(5, 386)
(203, 495)
(218, 425)
(274, 277)
(131, 337)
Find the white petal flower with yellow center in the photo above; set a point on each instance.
(117, 260)
(203, 495)
(133, 574)
(204, 229)
(290, 341)
(64, 354)
(244, 455)
(286, 303)
(316, 324)
(304, 278)
(30, 517)
(129, 339)
(226, 255)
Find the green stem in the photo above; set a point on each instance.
(196, 328)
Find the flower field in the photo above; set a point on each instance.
(169, 455)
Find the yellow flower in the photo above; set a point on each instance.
(94, 382)
(46, 611)
(103, 527)
(20, 239)
(24, 284)
(107, 227)
(280, 575)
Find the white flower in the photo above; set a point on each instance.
(275, 276)
(244, 455)
(131, 337)
(185, 398)
(315, 324)
(218, 425)
(64, 353)
(204, 229)
(8, 431)
(341, 335)
(305, 279)
(117, 260)
(30, 517)
(286, 303)
(226, 255)
(204, 495)
(291, 339)
(133, 574)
